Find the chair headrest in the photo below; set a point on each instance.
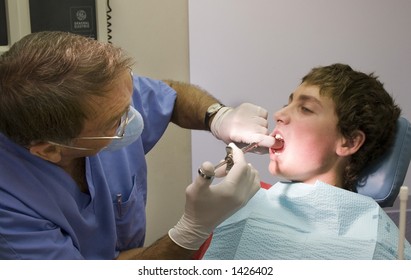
(382, 179)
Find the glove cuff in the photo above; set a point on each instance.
(190, 238)
(211, 111)
(217, 121)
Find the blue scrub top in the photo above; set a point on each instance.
(43, 213)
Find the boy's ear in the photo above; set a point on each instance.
(352, 144)
(46, 151)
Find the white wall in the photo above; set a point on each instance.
(258, 51)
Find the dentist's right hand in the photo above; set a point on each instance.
(208, 205)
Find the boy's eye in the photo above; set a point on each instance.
(305, 109)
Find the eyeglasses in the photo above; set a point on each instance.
(124, 121)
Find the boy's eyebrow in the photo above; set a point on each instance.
(305, 97)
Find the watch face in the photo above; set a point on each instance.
(213, 107)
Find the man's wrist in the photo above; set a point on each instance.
(188, 236)
(211, 112)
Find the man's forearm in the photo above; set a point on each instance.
(191, 105)
(162, 249)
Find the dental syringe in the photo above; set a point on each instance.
(227, 160)
(229, 157)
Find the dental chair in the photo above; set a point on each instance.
(383, 179)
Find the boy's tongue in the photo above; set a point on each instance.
(279, 143)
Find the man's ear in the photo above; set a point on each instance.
(350, 145)
(46, 151)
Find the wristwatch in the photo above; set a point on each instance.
(211, 111)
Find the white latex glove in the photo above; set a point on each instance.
(246, 124)
(208, 205)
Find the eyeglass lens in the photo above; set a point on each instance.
(123, 123)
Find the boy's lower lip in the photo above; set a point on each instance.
(276, 152)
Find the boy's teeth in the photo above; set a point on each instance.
(279, 142)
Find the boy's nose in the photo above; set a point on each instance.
(281, 115)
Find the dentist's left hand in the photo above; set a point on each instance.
(246, 123)
(208, 205)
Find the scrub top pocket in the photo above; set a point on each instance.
(130, 217)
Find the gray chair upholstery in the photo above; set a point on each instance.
(382, 179)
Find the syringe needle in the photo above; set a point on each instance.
(249, 147)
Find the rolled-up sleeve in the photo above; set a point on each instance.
(155, 100)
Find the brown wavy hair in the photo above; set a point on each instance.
(361, 103)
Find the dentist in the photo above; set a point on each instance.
(75, 125)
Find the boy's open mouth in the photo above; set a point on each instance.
(278, 146)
